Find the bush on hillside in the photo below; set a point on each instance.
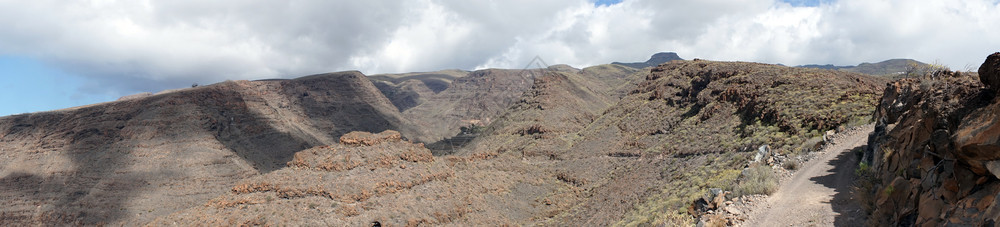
(757, 180)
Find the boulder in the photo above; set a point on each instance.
(716, 198)
(763, 152)
(994, 168)
(989, 72)
(828, 136)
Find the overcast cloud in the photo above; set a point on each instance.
(132, 46)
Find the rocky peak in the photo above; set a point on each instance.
(656, 59)
(663, 57)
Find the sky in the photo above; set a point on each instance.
(59, 54)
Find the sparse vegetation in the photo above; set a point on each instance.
(888, 190)
(865, 184)
(756, 180)
(886, 153)
(915, 70)
(670, 207)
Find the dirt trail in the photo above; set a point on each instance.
(819, 193)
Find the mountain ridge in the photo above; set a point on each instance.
(889, 67)
(547, 146)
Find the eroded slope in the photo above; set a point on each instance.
(126, 162)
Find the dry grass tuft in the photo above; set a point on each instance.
(757, 180)
(790, 165)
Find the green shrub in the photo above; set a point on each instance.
(757, 180)
(865, 186)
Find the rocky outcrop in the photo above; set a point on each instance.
(934, 153)
(989, 72)
(367, 178)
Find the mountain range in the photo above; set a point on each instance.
(887, 67)
(613, 144)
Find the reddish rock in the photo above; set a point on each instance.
(943, 137)
(929, 210)
(367, 139)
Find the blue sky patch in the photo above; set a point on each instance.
(606, 2)
(32, 86)
(809, 3)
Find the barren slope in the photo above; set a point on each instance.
(479, 96)
(129, 161)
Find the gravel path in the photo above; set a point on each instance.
(819, 194)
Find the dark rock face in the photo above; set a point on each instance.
(934, 152)
(989, 72)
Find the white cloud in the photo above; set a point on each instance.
(148, 45)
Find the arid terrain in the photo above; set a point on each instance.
(670, 143)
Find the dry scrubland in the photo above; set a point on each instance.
(604, 145)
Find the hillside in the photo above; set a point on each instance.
(483, 95)
(598, 146)
(411, 89)
(131, 161)
(685, 129)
